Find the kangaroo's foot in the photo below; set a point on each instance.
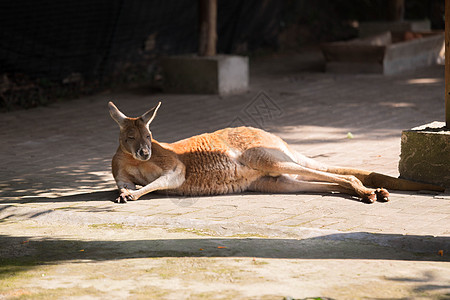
(369, 197)
(382, 195)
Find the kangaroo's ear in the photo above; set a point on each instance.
(116, 114)
(150, 115)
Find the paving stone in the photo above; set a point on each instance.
(55, 166)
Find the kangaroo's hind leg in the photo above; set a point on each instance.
(276, 162)
(363, 176)
(368, 178)
(288, 184)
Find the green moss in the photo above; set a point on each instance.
(198, 270)
(12, 270)
(259, 262)
(145, 291)
(228, 295)
(193, 231)
(216, 295)
(63, 208)
(61, 293)
(97, 276)
(107, 225)
(249, 235)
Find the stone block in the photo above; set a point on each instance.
(387, 53)
(371, 28)
(220, 74)
(425, 154)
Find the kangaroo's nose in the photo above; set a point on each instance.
(144, 153)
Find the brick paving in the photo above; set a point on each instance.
(55, 160)
(66, 148)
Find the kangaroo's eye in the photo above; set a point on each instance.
(131, 138)
(148, 136)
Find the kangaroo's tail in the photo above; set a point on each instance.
(374, 179)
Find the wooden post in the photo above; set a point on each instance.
(447, 63)
(396, 10)
(207, 27)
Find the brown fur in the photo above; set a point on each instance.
(231, 160)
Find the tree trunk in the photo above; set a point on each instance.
(447, 63)
(207, 27)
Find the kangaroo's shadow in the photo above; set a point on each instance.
(105, 195)
(112, 194)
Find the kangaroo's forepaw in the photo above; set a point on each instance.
(382, 195)
(124, 197)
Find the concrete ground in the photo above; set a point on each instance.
(62, 237)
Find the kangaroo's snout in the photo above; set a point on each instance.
(143, 153)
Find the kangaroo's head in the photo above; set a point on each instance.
(135, 136)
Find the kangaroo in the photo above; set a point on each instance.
(232, 160)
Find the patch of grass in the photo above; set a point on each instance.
(14, 272)
(63, 208)
(11, 276)
(107, 225)
(206, 270)
(249, 235)
(11, 268)
(62, 293)
(95, 276)
(228, 294)
(259, 262)
(193, 231)
(146, 291)
(216, 295)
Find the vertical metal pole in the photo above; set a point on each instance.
(396, 10)
(208, 27)
(447, 63)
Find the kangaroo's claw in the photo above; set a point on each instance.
(120, 199)
(124, 197)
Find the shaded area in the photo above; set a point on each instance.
(37, 258)
(47, 176)
(355, 245)
(69, 183)
(24, 253)
(424, 282)
(108, 195)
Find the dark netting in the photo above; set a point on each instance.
(56, 48)
(54, 39)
